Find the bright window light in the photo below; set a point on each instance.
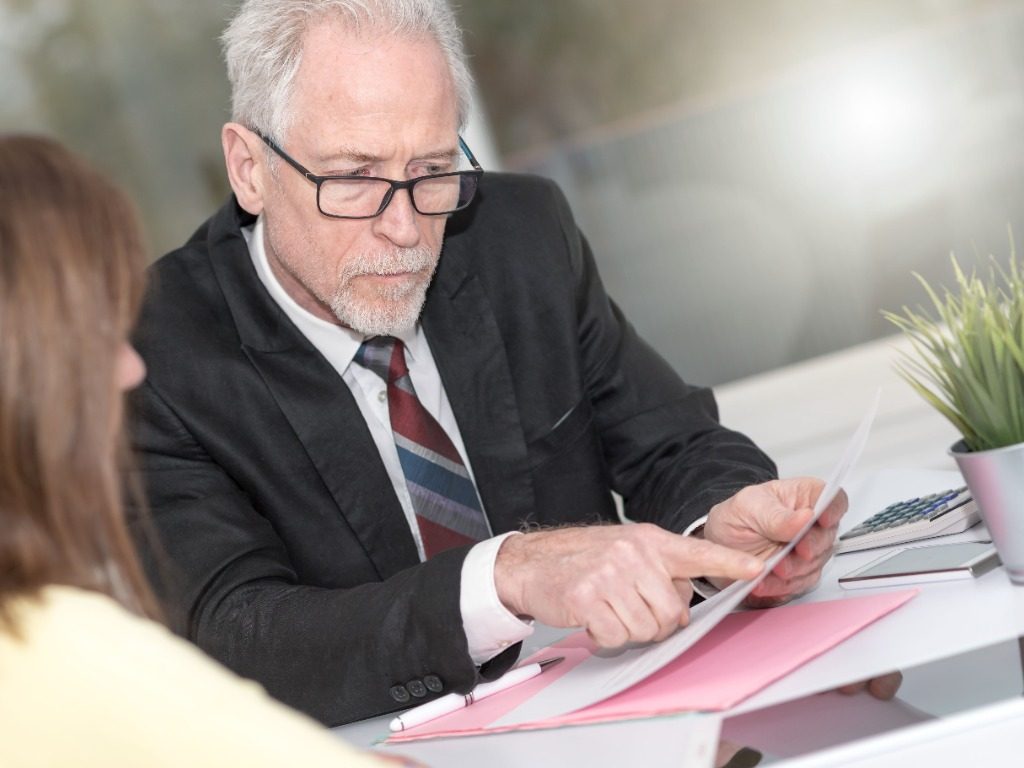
(873, 118)
(879, 120)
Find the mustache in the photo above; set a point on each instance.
(393, 261)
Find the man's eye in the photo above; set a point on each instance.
(349, 172)
(433, 170)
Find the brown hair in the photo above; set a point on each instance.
(71, 279)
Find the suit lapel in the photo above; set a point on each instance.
(318, 405)
(327, 421)
(468, 348)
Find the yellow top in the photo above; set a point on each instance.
(90, 684)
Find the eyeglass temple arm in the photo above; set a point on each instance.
(469, 154)
(286, 157)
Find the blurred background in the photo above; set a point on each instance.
(757, 178)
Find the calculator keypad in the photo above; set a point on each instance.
(911, 511)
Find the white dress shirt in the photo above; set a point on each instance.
(490, 627)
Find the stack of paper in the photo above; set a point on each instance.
(738, 657)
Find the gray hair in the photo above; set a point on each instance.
(263, 49)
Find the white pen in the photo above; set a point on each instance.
(456, 701)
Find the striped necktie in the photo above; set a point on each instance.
(445, 501)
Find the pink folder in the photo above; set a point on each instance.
(744, 653)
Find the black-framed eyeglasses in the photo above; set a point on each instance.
(365, 197)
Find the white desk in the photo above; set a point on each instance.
(802, 416)
(990, 735)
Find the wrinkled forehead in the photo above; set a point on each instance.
(367, 79)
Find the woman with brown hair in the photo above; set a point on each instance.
(85, 679)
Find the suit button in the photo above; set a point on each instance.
(417, 688)
(433, 683)
(399, 693)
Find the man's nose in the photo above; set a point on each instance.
(399, 222)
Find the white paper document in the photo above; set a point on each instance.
(601, 677)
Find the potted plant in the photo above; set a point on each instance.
(967, 360)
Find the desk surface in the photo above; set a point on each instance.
(989, 735)
(802, 416)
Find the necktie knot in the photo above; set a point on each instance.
(378, 353)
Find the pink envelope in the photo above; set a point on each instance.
(744, 653)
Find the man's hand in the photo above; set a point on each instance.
(622, 583)
(883, 687)
(761, 519)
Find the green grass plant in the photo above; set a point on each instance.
(967, 358)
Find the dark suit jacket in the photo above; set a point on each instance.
(290, 557)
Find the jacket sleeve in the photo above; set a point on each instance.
(229, 585)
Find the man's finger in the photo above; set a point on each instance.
(685, 590)
(774, 587)
(794, 566)
(686, 557)
(885, 687)
(605, 628)
(666, 603)
(835, 510)
(852, 689)
(755, 601)
(882, 687)
(635, 614)
(819, 539)
(779, 523)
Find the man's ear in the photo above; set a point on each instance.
(247, 168)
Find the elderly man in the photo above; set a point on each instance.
(388, 398)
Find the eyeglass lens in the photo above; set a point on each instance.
(364, 197)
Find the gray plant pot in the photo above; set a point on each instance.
(995, 479)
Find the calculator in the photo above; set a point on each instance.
(938, 514)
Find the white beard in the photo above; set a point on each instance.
(395, 308)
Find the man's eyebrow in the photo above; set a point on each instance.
(352, 155)
(441, 154)
(349, 154)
